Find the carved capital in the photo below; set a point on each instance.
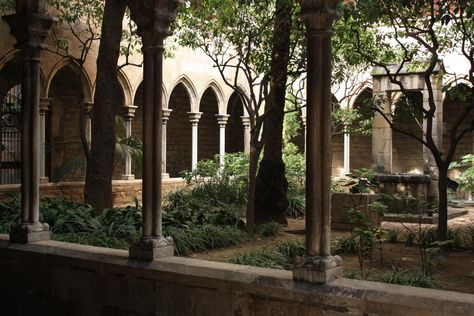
(129, 111)
(88, 106)
(44, 105)
(319, 15)
(29, 29)
(245, 121)
(153, 17)
(222, 119)
(166, 115)
(194, 117)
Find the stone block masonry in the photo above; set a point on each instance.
(53, 278)
(124, 192)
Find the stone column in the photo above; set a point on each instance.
(318, 265)
(88, 106)
(194, 118)
(430, 167)
(44, 108)
(30, 26)
(347, 151)
(304, 121)
(246, 123)
(165, 119)
(153, 18)
(381, 131)
(222, 120)
(128, 114)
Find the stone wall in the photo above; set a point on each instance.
(406, 187)
(124, 192)
(342, 203)
(53, 278)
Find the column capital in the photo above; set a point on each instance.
(153, 17)
(129, 111)
(319, 15)
(45, 103)
(88, 106)
(194, 117)
(30, 28)
(222, 119)
(304, 120)
(166, 115)
(245, 120)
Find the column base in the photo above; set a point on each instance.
(149, 249)
(318, 269)
(128, 177)
(165, 175)
(25, 233)
(44, 180)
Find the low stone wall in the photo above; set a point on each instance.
(403, 185)
(342, 203)
(124, 192)
(53, 278)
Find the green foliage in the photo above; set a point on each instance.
(268, 229)
(200, 238)
(407, 277)
(345, 245)
(7, 6)
(466, 178)
(279, 257)
(361, 181)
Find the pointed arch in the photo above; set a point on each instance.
(126, 87)
(86, 82)
(190, 89)
(214, 86)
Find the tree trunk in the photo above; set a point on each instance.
(271, 185)
(100, 164)
(443, 204)
(253, 166)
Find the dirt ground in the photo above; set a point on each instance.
(454, 270)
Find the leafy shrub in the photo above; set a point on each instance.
(406, 277)
(291, 249)
(297, 204)
(345, 245)
(200, 238)
(268, 229)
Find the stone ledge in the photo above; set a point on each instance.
(343, 296)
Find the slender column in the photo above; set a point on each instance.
(303, 120)
(129, 114)
(165, 119)
(318, 265)
(430, 167)
(347, 151)
(88, 106)
(44, 108)
(381, 131)
(222, 120)
(246, 123)
(153, 18)
(194, 118)
(30, 26)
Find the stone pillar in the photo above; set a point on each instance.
(44, 108)
(30, 26)
(153, 18)
(88, 106)
(303, 120)
(318, 265)
(194, 118)
(128, 114)
(381, 131)
(430, 167)
(165, 119)
(222, 120)
(347, 151)
(246, 123)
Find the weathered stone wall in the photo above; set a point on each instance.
(342, 203)
(407, 187)
(338, 155)
(407, 152)
(53, 278)
(124, 192)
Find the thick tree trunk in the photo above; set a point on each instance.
(443, 204)
(272, 186)
(100, 164)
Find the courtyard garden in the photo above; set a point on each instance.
(206, 220)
